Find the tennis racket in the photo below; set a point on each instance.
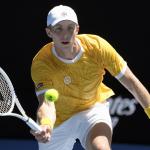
(8, 99)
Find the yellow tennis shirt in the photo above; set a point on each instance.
(79, 82)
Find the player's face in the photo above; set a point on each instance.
(63, 33)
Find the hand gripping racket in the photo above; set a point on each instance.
(8, 99)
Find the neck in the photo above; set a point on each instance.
(68, 52)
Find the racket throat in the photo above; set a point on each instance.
(27, 119)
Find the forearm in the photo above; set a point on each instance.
(136, 88)
(141, 94)
(46, 117)
(46, 110)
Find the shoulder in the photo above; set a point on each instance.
(88, 37)
(92, 40)
(40, 59)
(44, 52)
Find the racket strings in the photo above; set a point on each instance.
(5, 95)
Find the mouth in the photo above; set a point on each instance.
(65, 43)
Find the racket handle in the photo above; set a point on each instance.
(33, 125)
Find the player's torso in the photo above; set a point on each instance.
(78, 83)
(80, 78)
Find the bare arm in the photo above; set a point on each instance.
(46, 112)
(136, 88)
(46, 109)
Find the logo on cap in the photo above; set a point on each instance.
(64, 14)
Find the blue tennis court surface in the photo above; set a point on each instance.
(32, 145)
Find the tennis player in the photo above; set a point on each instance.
(74, 64)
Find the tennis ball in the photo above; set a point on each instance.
(51, 95)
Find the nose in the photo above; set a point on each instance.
(66, 36)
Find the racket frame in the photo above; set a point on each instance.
(31, 123)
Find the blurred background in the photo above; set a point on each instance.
(124, 24)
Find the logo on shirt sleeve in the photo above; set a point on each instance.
(39, 85)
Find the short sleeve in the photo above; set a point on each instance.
(41, 76)
(112, 60)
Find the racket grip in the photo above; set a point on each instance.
(33, 125)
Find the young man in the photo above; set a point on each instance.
(74, 65)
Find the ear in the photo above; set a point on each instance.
(48, 32)
(77, 29)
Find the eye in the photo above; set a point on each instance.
(57, 30)
(71, 28)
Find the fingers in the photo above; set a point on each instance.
(43, 136)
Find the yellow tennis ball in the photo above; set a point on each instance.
(51, 95)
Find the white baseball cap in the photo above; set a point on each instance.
(60, 13)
